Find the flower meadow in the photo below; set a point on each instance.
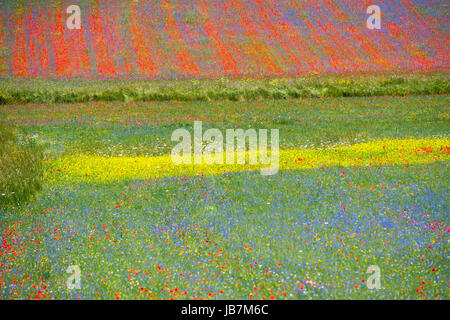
(175, 39)
(362, 182)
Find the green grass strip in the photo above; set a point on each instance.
(40, 91)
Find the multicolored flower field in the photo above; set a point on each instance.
(363, 120)
(173, 39)
(362, 181)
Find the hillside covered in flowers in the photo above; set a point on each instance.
(220, 38)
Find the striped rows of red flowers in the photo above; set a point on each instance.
(215, 38)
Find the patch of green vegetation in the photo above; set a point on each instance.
(20, 167)
(145, 128)
(45, 91)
